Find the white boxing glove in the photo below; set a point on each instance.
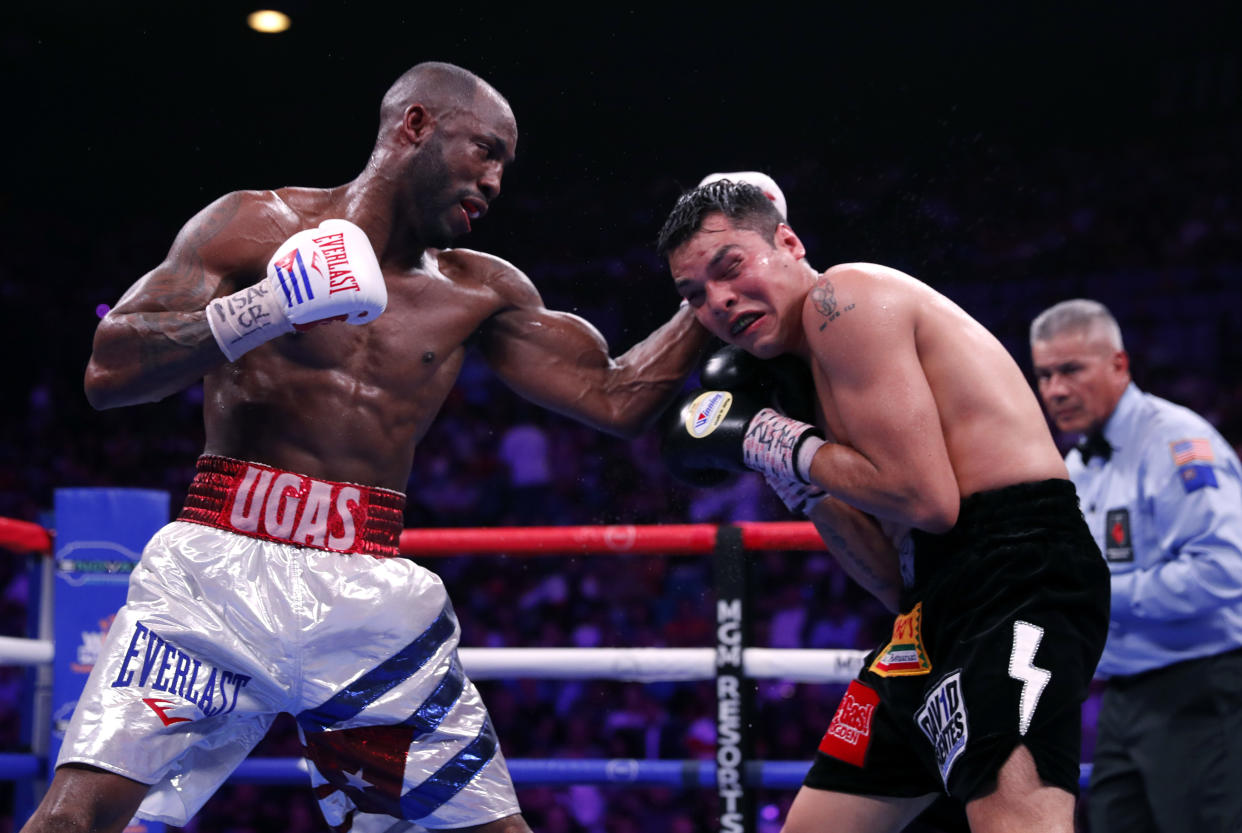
(758, 179)
(321, 274)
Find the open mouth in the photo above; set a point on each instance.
(742, 323)
(473, 209)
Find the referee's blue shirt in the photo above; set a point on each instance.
(1166, 511)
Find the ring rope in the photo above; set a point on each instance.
(642, 665)
(653, 539)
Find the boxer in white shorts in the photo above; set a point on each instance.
(223, 630)
(328, 326)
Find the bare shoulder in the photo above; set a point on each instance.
(863, 290)
(856, 307)
(487, 272)
(238, 231)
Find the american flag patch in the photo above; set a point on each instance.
(1195, 450)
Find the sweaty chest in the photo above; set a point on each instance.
(420, 336)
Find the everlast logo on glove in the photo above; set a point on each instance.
(340, 274)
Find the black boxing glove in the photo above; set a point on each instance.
(785, 382)
(716, 432)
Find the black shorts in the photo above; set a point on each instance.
(999, 637)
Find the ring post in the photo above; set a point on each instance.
(100, 534)
(734, 692)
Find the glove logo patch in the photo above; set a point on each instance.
(706, 412)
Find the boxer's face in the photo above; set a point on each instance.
(457, 171)
(1080, 379)
(744, 289)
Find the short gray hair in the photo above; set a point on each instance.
(1077, 315)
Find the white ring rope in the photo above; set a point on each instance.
(646, 665)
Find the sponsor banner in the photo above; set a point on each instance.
(100, 534)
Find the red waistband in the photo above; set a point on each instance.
(262, 502)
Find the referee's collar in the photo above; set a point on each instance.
(1116, 428)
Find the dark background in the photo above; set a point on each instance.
(122, 121)
(1009, 157)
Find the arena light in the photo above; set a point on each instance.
(268, 21)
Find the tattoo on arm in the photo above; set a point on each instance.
(824, 297)
(838, 546)
(187, 285)
(177, 293)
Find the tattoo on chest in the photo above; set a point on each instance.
(824, 297)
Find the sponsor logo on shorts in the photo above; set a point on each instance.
(904, 655)
(944, 721)
(706, 412)
(154, 664)
(849, 734)
(284, 506)
(1117, 543)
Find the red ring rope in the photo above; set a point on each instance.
(669, 539)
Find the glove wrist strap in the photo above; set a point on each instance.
(247, 318)
(780, 446)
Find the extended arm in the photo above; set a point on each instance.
(561, 362)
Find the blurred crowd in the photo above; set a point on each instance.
(1152, 227)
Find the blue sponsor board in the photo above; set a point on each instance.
(100, 534)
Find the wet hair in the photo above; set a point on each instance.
(1078, 315)
(743, 204)
(443, 88)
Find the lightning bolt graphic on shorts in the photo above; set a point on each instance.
(1026, 639)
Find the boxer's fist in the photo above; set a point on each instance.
(715, 432)
(321, 274)
(784, 382)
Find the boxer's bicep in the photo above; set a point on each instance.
(207, 253)
(156, 340)
(554, 359)
(863, 341)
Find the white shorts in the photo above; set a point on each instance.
(221, 632)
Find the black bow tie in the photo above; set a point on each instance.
(1094, 445)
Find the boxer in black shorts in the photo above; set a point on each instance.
(926, 464)
(958, 686)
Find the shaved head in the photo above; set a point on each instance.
(444, 89)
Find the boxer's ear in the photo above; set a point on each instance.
(417, 124)
(788, 239)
